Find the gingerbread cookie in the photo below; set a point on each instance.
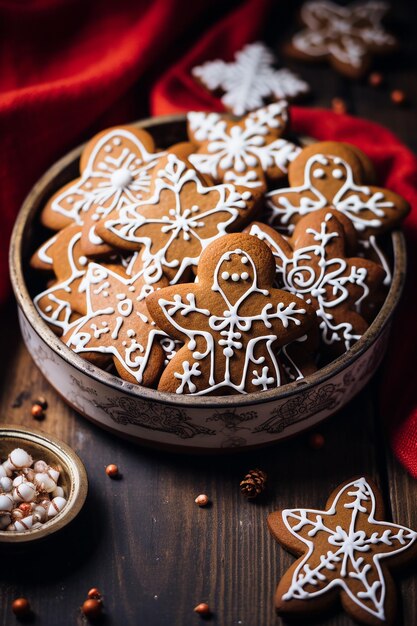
(117, 325)
(231, 320)
(344, 551)
(252, 148)
(313, 265)
(331, 175)
(182, 217)
(251, 80)
(346, 36)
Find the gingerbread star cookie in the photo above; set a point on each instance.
(331, 175)
(231, 320)
(344, 551)
(313, 265)
(183, 216)
(251, 80)
(250, 149)
(346, 36)
(117, 325)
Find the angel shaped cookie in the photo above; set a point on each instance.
(346, 551)
(231, 320)
(333, 175)
(347, 36)
(118, 326)
(181, 218)
(250, 150)
(313, 265)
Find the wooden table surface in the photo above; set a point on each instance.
(142, 540)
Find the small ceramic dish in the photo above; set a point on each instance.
(73, 476)
(184, 422)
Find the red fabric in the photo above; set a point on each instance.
(71, 68)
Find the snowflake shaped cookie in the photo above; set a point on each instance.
(313, 265)
(250, 80)
(182, 217)
(116, 168)
(232, 321)
(117, 325)
(347, 36)
(333, 175)
(247, 151)
(344, 550)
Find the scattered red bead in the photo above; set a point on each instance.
(92, 608)
(317, 441)
(25, 507)
(21, 607)
(37, 411)
(202, 609)
(41, 400)
(112, 470)
(398, 96)
(202, 500)
(94, 594)
(375, 79)
(339, 105)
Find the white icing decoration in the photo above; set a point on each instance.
(350, 199)
(347, 33)
(250, 79)
(234, 331)
(343, 562)
(108, 184)
(240, 148)
(319, 173)
(42, 253)
(181, 221)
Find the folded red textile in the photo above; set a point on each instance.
(72, 68)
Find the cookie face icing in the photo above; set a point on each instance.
(346, 36)
(330, 175)
(345, 549)
(182, 217)
(117, 325)
(252, 148)
(251, 80)
(231, 321)
(313, 265)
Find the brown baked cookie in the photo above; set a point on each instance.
(331, 175)
(345, 36)
(314, 266)
(117, 325)
(344, 551)
(251, 148)
(182, 217)
(231, 320)
(251, 80)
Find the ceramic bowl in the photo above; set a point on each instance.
(73, 476)
(184, 422)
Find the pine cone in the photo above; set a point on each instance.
(254, 483)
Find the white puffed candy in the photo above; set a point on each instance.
(39, 513)
(6, 502)
(6, 469)
(29, 474)
(40, 466)
(17, 514)
(4, 472)
(6, 484)
(10, 527)
(19, 459)
(44, 482)
(23, 524)
(5, 520)
(53, 473)
(19, 480)
(56, 506)
(58, 492)
(25, 492)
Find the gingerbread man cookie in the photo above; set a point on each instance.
(182, 217)
(331, 175)
(250, 149)
(232, 321)
(344, 551)
(117, 325)
(347, 36)
(314, 266)
(251, 80)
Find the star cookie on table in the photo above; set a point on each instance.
(117, 325)
(313, 265)
(330, 175)
(250, 80)
(252, 148)
(347, 36)
(183, 216)
(344, 550)
(231, 320)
